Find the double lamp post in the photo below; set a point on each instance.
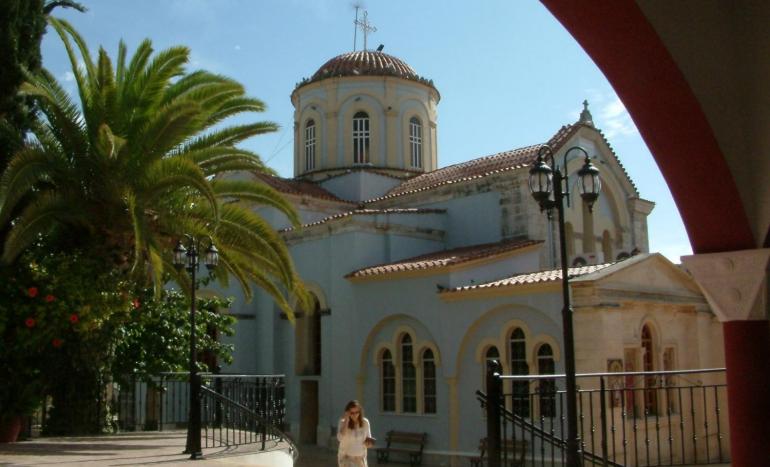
(188, 257)
(550, 188)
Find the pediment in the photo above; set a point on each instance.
(648, 273)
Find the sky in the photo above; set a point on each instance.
(509, 74)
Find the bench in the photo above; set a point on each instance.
(403, 442)
(512, 446)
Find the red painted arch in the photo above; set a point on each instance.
(618, 37)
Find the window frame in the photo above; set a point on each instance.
(428, 361)
(310, 145)
(416, 142)
(519, 365)
(388, 399)
(361, 138)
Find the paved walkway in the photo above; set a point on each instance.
(153, 448)
(142, 448)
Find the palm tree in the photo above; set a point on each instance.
(142, 159)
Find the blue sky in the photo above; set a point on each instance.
(508, 73)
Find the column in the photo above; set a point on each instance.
(735, 284)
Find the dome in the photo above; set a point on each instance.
(366, 63)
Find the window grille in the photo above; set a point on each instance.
(361, 137)
(310, 145)
(415, 141)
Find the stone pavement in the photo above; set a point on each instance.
(155, 448)
(142, 448)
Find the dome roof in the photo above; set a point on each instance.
(366, 63)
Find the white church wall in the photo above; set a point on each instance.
(471, 220)
(457, 329)
(359, 185)
(492, 270)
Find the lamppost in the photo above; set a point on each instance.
(189, 258)
(545, 182)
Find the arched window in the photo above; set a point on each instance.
(408, 376)
(650, 382)
(569, 236)
(415, 141)
(388, 382)
(579, 262)
(607, 246)
(547, 387)
(519, 366)
(361, 138)
(310, 145)
(428, 381)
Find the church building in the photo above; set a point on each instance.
(421, 273)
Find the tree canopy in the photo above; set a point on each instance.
(144, 157)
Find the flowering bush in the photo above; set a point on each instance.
(55, 318)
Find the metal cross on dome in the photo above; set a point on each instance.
(366, 27)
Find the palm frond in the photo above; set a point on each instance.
(256, 193)
(37, 219)
(25, 170)
(232, 135)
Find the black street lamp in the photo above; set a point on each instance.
(550, 188)
(189, 258)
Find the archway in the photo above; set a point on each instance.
(657, 58)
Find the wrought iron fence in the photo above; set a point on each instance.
(235, 409)
(631, 418)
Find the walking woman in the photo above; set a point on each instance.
(354, 435)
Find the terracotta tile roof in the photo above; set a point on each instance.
(445, 258)
(365, 212)
(365, 63)
(335, 172)
(481, 167)
(298, 187)
(530, 278)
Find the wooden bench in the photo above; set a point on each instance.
(517, 449)
(403, 442)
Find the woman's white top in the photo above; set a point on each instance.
(352, 441)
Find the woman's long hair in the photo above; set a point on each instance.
(351, 405)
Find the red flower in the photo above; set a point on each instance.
(74, 318)
(49, 298)
(32, 292)
(135, 302)
(29, 322)
(56, 342)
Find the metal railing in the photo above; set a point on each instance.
(235, 409)
(624, 419)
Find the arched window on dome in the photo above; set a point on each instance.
(415, 141)
(388, 382)
(310, 145)
(361, 137)
(428, 381)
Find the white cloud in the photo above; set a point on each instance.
(68, 76)
(615, 120)
(610, 115)
(237, 47)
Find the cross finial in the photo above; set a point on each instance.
(366, 27)
(585, 116)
